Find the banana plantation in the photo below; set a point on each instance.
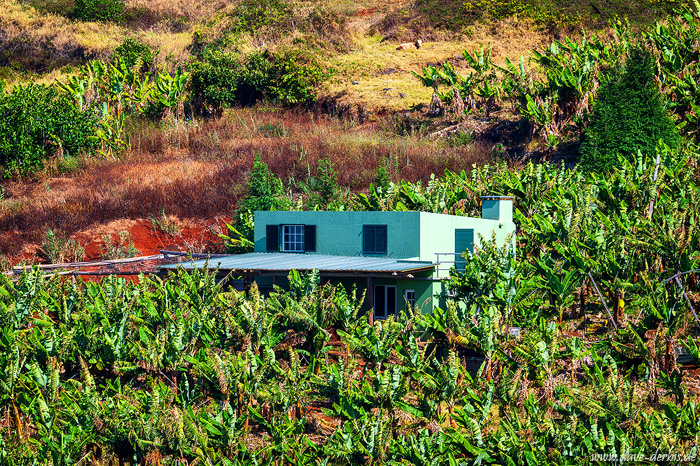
(587, 341)
(555, 88)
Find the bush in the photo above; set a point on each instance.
(104, 10)
(131, 50)
(214, 81)
(265, 190)
(222, 79)
(37, 122)
(629, 116)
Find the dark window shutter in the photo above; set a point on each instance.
(273, 237)
(310, 238)
(380, 239)
(368, 239)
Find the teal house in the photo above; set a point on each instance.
(399, 258)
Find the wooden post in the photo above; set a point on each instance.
(370, 298)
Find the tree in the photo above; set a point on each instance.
(629, 116)
(265, 190)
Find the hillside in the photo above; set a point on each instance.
(367, 108)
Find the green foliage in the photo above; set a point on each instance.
(322, 190)
(123, 248)
(261, 17)
(93, 10)
(38, 122)
(555, 89)
(214, 80)
(264, 191)
(59, 249)
(560, 14)
(132, 52)
(222, 79)
(163, 224)
(382, 178)
(629, 116)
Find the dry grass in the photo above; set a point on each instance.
(197, 171)
(38, 42)
(194, 11)
(384, 75)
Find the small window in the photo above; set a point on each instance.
(374, 239)
(293, 238)
(410, 297)
(290, 238)
(384, 301)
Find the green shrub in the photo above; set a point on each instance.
(222, 79)
(323, 188)
(94, 10)
(253, 16)
(214, 81)
(37, 122)
(293, 79)
(629, 116)
(265, 190)
(131, 50)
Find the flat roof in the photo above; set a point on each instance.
(280, 261)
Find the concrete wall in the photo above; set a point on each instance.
(340, 233)
(410, 235)
(437, 232)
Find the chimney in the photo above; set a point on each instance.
(497, 208)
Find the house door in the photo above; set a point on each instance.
(384, 301)
(464, 241)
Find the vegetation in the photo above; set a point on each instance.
(184, 370)
(222, 79)
(122, 248)
(264, 191)
(92, 10)
(38, 122)
(580, 334)
(628, 116)
(557, 95)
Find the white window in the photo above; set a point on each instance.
(384, 301)
(410, 297)
(293, 238)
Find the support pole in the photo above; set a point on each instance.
(600, 295)
(370, 296)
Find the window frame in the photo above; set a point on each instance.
(298, 237)
(372, 229)
(386, 311)
(410, 301)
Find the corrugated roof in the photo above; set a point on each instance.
(275, 261)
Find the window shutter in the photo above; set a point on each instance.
(368, 239)
(380, 239)
(273, 237)
(310, 238)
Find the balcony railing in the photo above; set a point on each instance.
(445, 261)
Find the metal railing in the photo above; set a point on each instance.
(442, 270)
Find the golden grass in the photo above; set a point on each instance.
(62, 36)
(384, 74)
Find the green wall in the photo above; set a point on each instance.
(340, 233)
(410, 235)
